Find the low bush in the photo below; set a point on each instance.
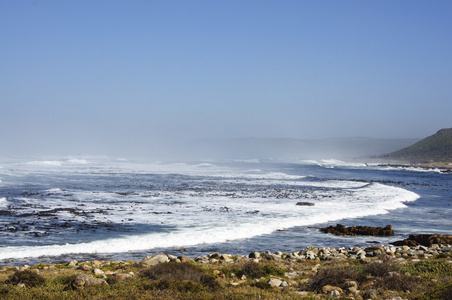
(181, 271)
(255, 270)
(333, 276)
(431, 268)
(397, 282)
(30, 279)
(446, 294)
(379, 269)
(182, 277)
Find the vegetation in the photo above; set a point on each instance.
(420, 279)
(435, 148)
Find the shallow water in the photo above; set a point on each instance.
(52, 210)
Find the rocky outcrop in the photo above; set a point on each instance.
(425, 240)
(359, 230)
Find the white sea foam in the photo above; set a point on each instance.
(198, 218)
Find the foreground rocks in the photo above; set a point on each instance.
(359, 230)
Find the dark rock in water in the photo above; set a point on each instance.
(305, 204)
(359, 230)
(425, 240)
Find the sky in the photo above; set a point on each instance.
(109, 76)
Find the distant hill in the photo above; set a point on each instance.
(435, 148)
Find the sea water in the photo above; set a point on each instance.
(53, 210)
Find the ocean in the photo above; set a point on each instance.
(116, 209)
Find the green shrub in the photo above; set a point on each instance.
(379, 269)
(255, 270)
(432, 267)
(397, 282)
(182, 286)
(446, 294)
(30, 279)
(332, 276)
(180, 271)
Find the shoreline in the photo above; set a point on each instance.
(280, 275)
(444, 167)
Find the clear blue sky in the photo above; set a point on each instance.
(88, 76)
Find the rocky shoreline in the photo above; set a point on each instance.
(297, 275)
(443, 167)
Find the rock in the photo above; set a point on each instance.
(154, 260)
(72, 263)
(121, 276)
(214, 255)
(98, 272)
(374, 251)
(284, 284)
(274, 282)
(334, 293)
(291, 275)
(83, 281)
(427, 240)
(96, 263)
(352, 291)
(271, 256)
(310, 255)
(85, 267)
(184, 258)
(225, 256)
(359, 230)
(172, 257)
(329, 288)
(254, 255)
(371, 294)
(305, 204)
(367, 284)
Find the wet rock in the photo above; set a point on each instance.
(305, 204)
(359, 230)
(427, 240)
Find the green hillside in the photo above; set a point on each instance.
(435, 148)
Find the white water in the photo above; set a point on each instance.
(221, 203)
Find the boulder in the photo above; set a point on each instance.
(154, 260)
(184, 258)
(84, 280)
(274, 282)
